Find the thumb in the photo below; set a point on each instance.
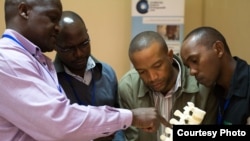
(164, 121)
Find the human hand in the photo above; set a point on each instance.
(148, 119)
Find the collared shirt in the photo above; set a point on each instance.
(164, 103)
(32, 106)
(87, 75)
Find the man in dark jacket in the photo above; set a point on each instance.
(206, 52)
(85, 80)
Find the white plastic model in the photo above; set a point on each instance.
(190, 116)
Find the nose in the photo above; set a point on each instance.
(152, 75)
(193, 71)
(57, 28)
(79, 51)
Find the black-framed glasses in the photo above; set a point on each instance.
(71, 49)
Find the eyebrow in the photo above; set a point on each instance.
(185, 60)
(83, 42)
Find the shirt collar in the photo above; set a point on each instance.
(29, 47)
(240, 80)
(178, 80)
(90, 64)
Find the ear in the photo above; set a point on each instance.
(219, 48)
(170, 55)
(23, 10)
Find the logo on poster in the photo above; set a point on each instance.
(142, 6)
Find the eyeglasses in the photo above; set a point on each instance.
(74, 48)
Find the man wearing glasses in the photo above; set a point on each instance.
(85, 80)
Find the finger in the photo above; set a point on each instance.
(164, 121)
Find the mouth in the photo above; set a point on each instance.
(80, 61)
(53, 37)
(199, 79)
(156, 85)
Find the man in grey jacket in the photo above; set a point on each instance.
(160, 79)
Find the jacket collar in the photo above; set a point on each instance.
(240, 80)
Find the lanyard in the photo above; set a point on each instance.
(92, 84)
(221, 112)
(15, 40)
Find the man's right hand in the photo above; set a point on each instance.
(148, 119)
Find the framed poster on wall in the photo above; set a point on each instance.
(164, 16)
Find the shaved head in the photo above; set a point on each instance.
(68, 20)
(144, 40)
(206, 36)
